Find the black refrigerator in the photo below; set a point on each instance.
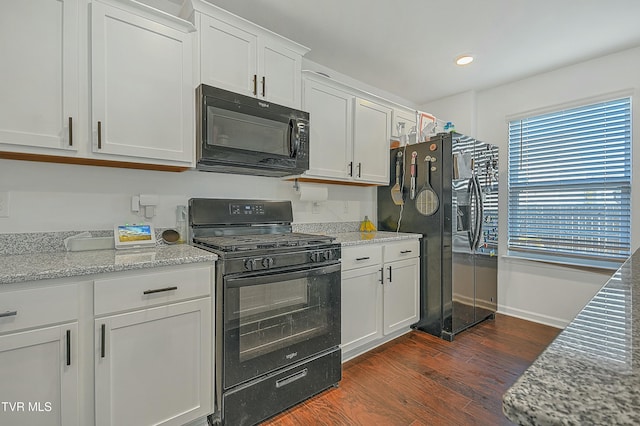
(447, 190)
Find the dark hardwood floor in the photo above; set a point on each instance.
(419, 379)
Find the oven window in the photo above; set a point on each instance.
(273, 316)
(276, 320)
(232, 129)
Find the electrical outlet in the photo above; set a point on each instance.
(4, 204)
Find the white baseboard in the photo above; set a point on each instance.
(532, 316)
(198, 422)
(346, 356)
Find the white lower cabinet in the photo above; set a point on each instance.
(401, 294)
(361, 307)
(380, 294)
(151, 365)
(154, 365)
(122, 348)
(38, 360)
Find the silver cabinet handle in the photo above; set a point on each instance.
(9, 314)
(264, 86)
(390, 279)
(255, 85)
(363, 258)
(159, 290)
(405, 251)
(381, 276)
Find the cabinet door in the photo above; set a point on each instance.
(402, 116)
(401, 294)
(228, 57)
(39, 69)
(372, 130)
(361, 307)
(154, 366)
(39, 377)
(280, 74)
(330, 140)
(142, 94)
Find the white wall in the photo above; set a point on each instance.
(550, 294)
(48, 197)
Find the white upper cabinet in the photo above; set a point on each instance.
(141, 85)
(239, 50)
(39, 69)
(236, 55)
(330, 135)
(349, 135)
(281, 73)
(402, 118)
(71, 66)
(371, 133)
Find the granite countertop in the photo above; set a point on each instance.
(357, 238)
(18, 268)
(588, 374)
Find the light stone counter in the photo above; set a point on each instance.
(358, 238)
(18, 268)
(590, 373)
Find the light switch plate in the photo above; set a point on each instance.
(4, 204)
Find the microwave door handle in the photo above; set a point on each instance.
(294, 139)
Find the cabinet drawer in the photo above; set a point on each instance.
(401, 250)
(35, 307)
(360, 256)
(149, 289)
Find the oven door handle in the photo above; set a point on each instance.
(258, 278)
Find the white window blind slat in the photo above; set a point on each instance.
(570, 183)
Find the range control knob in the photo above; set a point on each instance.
(328, 254)
(250, 264)
(267, 262)
(316, 256)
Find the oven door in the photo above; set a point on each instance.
(276, 319)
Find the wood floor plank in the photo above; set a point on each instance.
(420, 380)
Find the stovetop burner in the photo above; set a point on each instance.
(262, 241)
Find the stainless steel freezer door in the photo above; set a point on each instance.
(486, 278)
(459, 310)
(463, 294)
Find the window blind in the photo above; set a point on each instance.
(570, 183)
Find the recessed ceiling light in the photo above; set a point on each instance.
(464, 60)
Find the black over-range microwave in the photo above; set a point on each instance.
(244, 135)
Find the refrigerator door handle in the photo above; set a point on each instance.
(479, 212)
(471, 232)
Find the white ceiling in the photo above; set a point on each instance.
(408, 47)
